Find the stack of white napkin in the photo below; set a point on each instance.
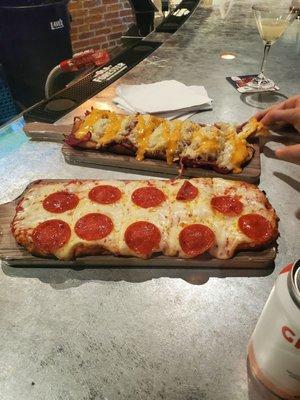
(167, 99)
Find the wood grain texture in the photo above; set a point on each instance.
(40, 131)
(97, 159)
(13, 254)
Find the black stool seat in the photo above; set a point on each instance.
(142, 6)
(165, 5)
(144, 15)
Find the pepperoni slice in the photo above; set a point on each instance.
(196, 239)
(256, 227)
(187, 192)
(60, 202)
(228, 205)
(105, 194)
(148, 196)
(142, 237)
(51, 235)
(93, 226)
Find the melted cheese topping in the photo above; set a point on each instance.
(87, 125)
(228, 235)
(197, 133)
(169, 217)
(206, 143)
(159, 216)
(176, 139)
(239, 155)
(111, 130)
(173, 138)
(211, 146)
(144, 131)
(253, 126)
(34, 213)
(157, 141)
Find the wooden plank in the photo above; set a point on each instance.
(40, 131)
(13, 254)
(97, 159)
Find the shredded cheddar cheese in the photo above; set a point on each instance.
(239, 155)
(197, 133)
(172, 137)
(166, 135)
(221, 143)
(209, 147)
(111, 130)
(144, 131)
(253, 126)
(87, 125)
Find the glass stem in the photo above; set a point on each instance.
(266, 52)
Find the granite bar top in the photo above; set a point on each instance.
(102, 334)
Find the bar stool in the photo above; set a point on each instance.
(144, 11)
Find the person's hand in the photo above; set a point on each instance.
(284, 113)
(287, 112)
(289, 153)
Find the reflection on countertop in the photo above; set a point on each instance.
(256, 390)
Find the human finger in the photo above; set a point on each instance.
(289, 153)
(292, 102)
(259, 115)
(290, 116)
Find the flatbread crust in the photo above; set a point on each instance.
(170, 217)
(221, 147)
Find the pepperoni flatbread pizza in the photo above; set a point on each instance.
(181, 218)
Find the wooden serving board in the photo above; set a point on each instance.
(46, 132)
(13, 254)
(106, 160)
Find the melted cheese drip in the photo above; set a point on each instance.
(239, 155)
(144, 131)
(204, 139)
(253, 126)
(210, 146)
(87, 125)
(172, 138)
(111, 130)
(166, 135)
(198, 134)
(200, 141)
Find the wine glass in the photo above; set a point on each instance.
(271, 21)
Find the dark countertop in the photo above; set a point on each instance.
(119, 334)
